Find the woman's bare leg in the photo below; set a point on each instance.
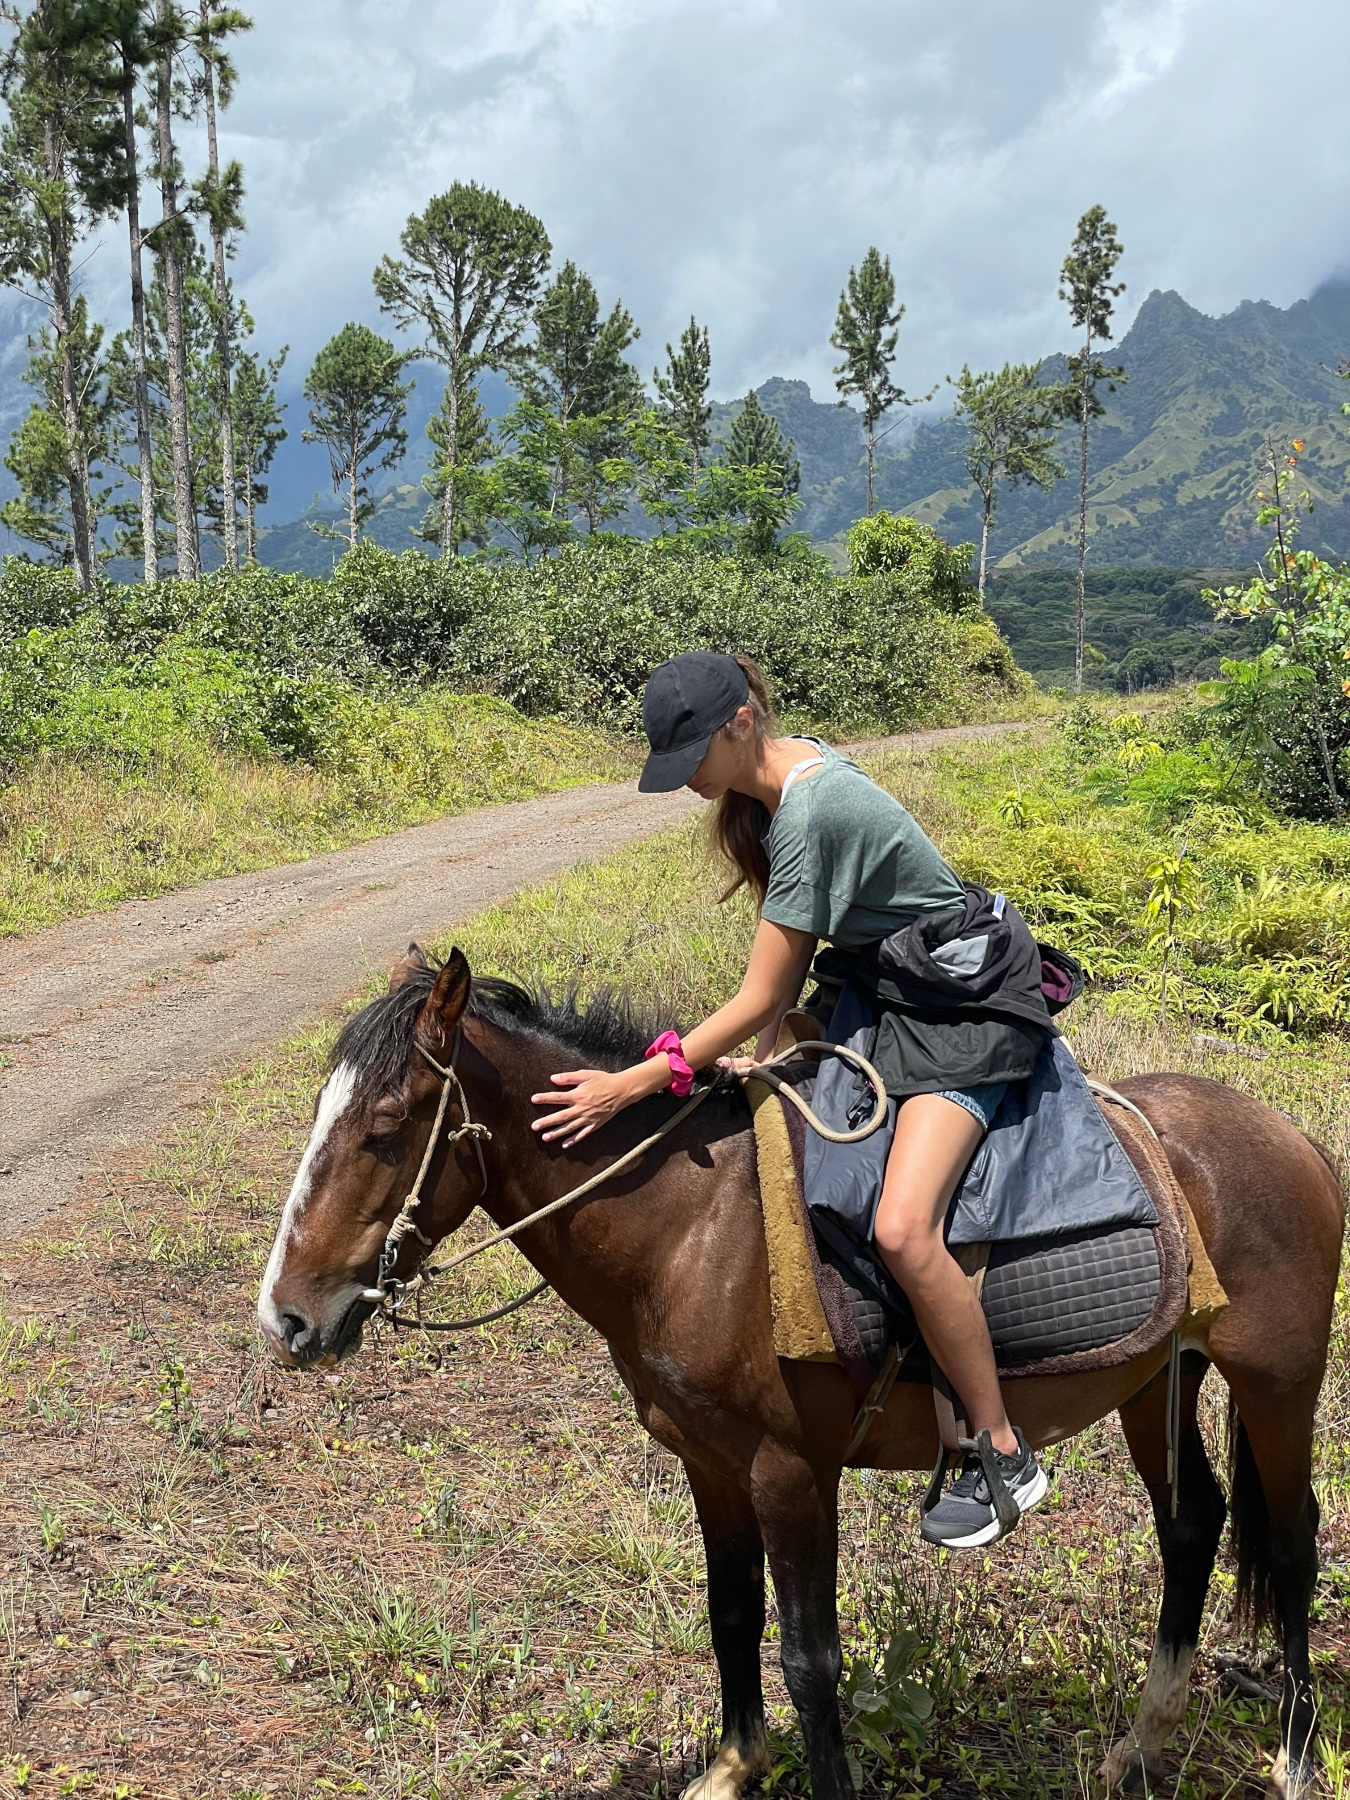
(934, 1141)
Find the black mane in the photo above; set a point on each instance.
(607, 1032)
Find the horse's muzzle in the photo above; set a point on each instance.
(302, 1341)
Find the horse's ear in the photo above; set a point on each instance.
(446, 1002)
(413, 963)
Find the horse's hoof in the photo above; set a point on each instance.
(726, 1776)
(1292, 1781)
(1125, 1767)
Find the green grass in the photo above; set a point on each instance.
(78, 834)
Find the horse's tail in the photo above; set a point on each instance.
(1249, 1520)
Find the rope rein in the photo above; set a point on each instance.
(390, 1295)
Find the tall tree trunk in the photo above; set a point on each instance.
(77, 472)
(250, 534)
(449, 523)
(1082, 522)
(871, 461)
(229, 525)
(984, 543)
(140, 380)
(184, 508)
(352, 526)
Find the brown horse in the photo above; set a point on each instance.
(668, 1263)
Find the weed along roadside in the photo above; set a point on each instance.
(457, 1566)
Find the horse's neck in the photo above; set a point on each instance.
(603, 1252)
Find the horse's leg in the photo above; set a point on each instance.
(1188, 1544)
(735, 1555)
(1275, 1522)
(797, 1511)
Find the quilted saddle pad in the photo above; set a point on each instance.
(1061, 1305)
(1045, 1299)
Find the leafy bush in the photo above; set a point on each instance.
(930, 569)
(1288, 710)
(69, 690)
(258, 661)
(1181, 891)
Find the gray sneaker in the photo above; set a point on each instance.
(966, 1517)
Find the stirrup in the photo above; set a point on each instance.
(1006, 1509)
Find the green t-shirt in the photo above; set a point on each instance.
(847, 862)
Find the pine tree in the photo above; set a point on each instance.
(357, 408)
(124, 29)
(1085, 283)
(1011, 421)
(866, 331)
(684, 388)
(54, 157)
(258, 432)
(475, 452)
(220, 196)
(469, 275)
(200, 340)
(757, 443)
(576, 371)
(39, 452)
(172, 242)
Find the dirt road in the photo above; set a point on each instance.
(114, 1023)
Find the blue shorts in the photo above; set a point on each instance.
(980, 1102)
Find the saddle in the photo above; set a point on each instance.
(1066, 1304)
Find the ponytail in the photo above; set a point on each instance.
(738, 820)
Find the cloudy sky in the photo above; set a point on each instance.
(731, 158)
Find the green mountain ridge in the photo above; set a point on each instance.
(1177, 458)
(1174, 462)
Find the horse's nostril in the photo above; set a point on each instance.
(295, 1327)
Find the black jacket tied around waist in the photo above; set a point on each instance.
(963, 997)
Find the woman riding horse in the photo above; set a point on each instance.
(830, 855)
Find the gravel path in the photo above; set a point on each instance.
(113, 1024)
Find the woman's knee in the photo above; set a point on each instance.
(910, 1243)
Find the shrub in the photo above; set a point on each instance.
(930, 568)
(260, 656)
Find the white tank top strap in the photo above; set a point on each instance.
(807, 762)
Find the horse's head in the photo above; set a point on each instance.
(372, 1122)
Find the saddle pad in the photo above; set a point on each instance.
(1052, 1297)
(1051, 1303)
(1064, 1305)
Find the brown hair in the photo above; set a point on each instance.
(738, 820)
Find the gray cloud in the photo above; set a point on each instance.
(733, 157)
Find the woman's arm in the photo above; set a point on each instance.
(778, 964)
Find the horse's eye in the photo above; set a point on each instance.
(382, 1147)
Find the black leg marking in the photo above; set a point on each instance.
(1188, 1543)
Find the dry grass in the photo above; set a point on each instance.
(462, 1569)
(459, 1568)
(79, 836)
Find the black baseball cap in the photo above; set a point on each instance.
(687, 701)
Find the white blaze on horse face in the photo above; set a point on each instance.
(333, 1099)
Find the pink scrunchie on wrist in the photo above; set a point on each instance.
(681, 1075)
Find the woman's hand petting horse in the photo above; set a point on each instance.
(588, 1098)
